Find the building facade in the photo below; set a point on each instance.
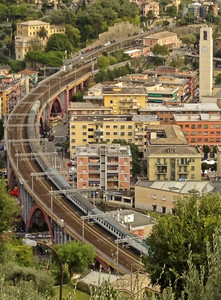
(124, 100)
(169, 157)
(165, 38)
(161, 94)
(103, 167)
(29, 31)
(97, 129)
(200, 129)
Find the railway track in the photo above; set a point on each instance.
(105, 247)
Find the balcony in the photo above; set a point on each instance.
(94, 171)
(112, 178)
(161, 163)
(162, 171)
(112, 162)
(94, 161)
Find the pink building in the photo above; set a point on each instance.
(146, 6)
(166, 38)
(103, 167)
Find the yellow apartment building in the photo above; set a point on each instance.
(124, 100)
(169, 157)
(98, 129)
(29, 31)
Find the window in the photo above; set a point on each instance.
(125, 160)
(218, 140)
(192, 168)
(84, 140)
(163, 209)
(211, 140)
(199, 140)
(122, 169)
(129, 126)
(199, 126)
(199, 132)
(115, 133)
(192, 159)
(72, 126)
(217, 126)
(129, 133)
(205, 35)
(108, 133)
(115, 126)
(218, 133)
(130, 140)
(205, 140)
(193, 133)
(122, 133)
(84, 133)
(84, 126)
(73, 147)
(125, 177)
(166, 119)
(90, 129)
(122, 126)
(193, 126)
(211, 125)
(107, 126)
(111, 101)
(154, 197)
(205, 133)
(187, 126)
(72, 133)
(212, 132)
(108, 140)
(90, 136)
(164, 198)
(187, 133)
(192, 176)
(205, 126)
(73, 140)
(193, 140)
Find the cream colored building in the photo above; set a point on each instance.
(169, 157)
(96, 129)
(124, 100)
(27, 32)
(160, 196)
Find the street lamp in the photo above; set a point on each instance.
(33, 243)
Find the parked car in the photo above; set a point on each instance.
(51, 138)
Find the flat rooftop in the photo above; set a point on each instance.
(196, 117)
(184, 107)
(160, 35)
(187, 151)
(113, 118)
(183, 187)
(139, 218)
(124, 90)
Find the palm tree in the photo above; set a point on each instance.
(43, 33)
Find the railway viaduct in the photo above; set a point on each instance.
(64, 221)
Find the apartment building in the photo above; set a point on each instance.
(160, 94)
(11, 91)
(171, 71)
(200, 129)
(124, 100)
(29, 31)
(169, 157)
(146, 6)
(84, 108)
(174, 82)
(165, 113)
(165, 38)
(97, 129)
(103, 167)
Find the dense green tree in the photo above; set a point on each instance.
(160, 50)
(174, 236)
(58, 42)
(177, 62)
(189, 39)
(171, 11)
(78, 97)
(18, 12)
(35, 45)
(218, 79)
(203, 284)
(103, 62)
(17, 65)
(206, 151)
(73, 35)
(76, 255)
(3, 12)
